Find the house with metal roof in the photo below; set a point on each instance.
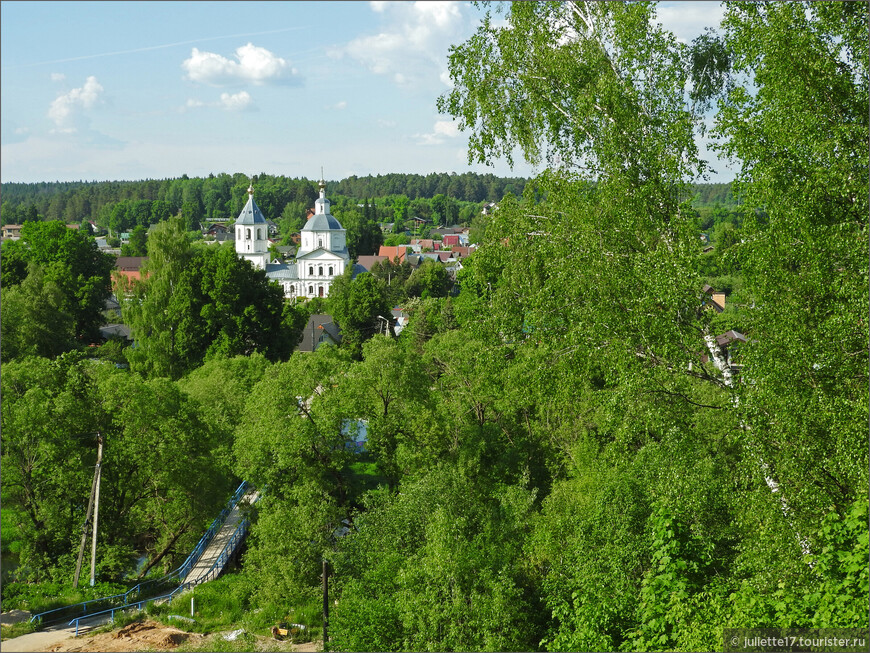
(320, 329)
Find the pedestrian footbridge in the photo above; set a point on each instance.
(215, 550)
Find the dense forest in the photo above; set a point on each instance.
(222, 196)
(578, 443)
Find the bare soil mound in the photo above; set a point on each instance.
(139, 636)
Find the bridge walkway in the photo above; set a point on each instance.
(206, 564)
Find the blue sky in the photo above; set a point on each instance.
(136, 90)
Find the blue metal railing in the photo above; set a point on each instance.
(206, 539)
(214, 571)
(84, 604)
(178, 574)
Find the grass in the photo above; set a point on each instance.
(225, 604)
(16, 630)
(39, 597)
(245, 642)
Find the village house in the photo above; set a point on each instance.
(320, 329)
(713, 299)
(127, 271)
(368, 262)
(425, 245)
(395, 253)
(129, 267)
(11, 231)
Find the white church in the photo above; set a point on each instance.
(321, 257)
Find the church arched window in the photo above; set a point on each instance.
(320, 242)
(330, 270)
(259, 234)
(310, 270)
(310, 290)
(248, 234)
(320, 271)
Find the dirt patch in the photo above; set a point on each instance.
(14, 617)
(149, 635)
(138, 636)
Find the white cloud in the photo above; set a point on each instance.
(57, 77)
(415, 42)
(238, 102)
(447, 128)
(442, 130)
(241, 101)
(254, 65)
(67, 109)
(338, 106)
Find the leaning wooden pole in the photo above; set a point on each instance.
(96, 508)
(85, 530)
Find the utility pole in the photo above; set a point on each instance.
(96, 506)
(89, 512)
(85, 531)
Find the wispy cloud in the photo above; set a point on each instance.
(67, 110)
(441, 131)
(413, 44)
(253, 65)
(238, 102)
(241, 101)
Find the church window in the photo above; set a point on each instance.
(320, 242)
(330, 270)
(310, 270)
(320, 271)
(248, 234)
(259, 234)
(310, 290)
